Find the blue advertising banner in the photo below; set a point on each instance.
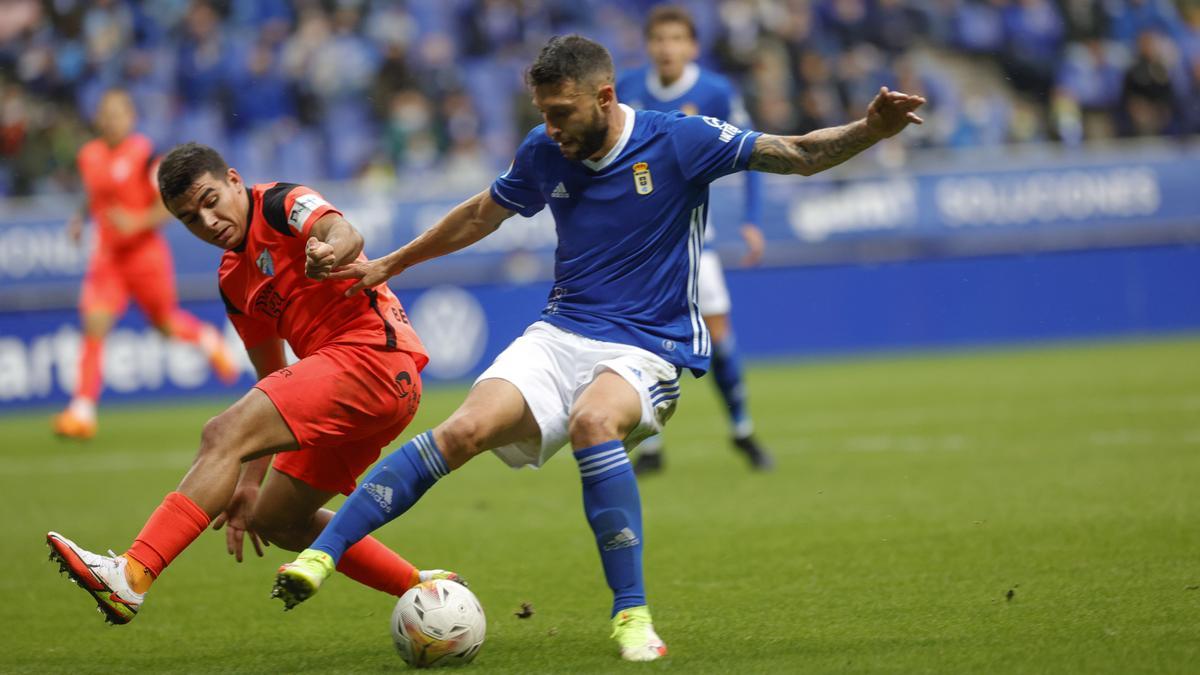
(1098, 199)
(778, 312)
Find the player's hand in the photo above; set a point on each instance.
(237, 516)
(369, 274)
(755, 244)
(75, 229)
(891, 111)
(319, 259)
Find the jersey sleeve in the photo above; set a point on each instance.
(517, 188)
(253, 332)
(708, 148)
(293, 209)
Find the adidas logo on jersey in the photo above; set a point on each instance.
(560, 192)
(623, 539)
(382, 495)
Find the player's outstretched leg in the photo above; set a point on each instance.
(493, 414)
(606, 411)
(727, 375)
(118, 583)
(390, 489)
(288, 513)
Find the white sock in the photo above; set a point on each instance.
(83, 408)
(743, 429)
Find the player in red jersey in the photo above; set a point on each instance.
(325, 418)
(131, 257)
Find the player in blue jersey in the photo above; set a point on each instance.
(600, 370)
(675, 82)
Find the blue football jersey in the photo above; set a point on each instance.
(696, 92)
(630, 228)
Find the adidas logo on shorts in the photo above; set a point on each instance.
(382, 495)
(560, 192)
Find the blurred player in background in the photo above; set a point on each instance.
(674, 81)
(131, 258)
(600, 370)
(356, 386)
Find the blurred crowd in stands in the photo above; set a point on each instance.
(374, 89)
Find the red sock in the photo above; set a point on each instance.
(172, 527)
(372, 564)
(88, 384)
(184, 326)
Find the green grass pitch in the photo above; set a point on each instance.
(1030, 510)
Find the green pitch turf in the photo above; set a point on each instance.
(1034, 510)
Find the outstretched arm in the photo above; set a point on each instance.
(822, 149)
(466, 224)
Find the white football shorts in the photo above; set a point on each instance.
(714, 296)
(551, 367)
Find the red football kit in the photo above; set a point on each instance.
(124, 265)
(357, 383)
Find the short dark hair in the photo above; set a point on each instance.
(185, 164)
(670, 14)
(570, 57)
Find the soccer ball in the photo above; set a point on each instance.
(438, 623)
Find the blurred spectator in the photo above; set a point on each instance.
(1148, 100)
(1034, 34)
(336, 89)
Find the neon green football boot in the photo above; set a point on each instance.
(634, 632)
(299, 580)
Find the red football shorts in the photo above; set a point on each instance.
(344, 403)
(142, 270)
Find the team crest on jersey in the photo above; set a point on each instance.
(641, 178)
(265, 263)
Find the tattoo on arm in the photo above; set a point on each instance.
(811, 153)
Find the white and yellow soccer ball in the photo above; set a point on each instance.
(438, 623)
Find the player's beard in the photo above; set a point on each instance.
(592, 138)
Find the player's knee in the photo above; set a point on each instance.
(217, 437)
(459, 438)
(591, 426)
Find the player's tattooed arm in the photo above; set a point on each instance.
(811, 153)
(466, 224)
(889, 113)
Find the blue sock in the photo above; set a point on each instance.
(614, 510)
(727, 373)
(392, 487)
